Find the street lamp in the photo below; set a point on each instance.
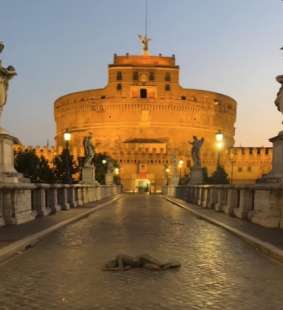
(67, 139)
(104, 161)
(219, 137)
(180, 165)
(116, 171)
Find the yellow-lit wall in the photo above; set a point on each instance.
(170, 114)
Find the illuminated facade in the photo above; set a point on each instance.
(144, 117)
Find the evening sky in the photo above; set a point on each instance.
(62, 46)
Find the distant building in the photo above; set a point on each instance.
(144, 116)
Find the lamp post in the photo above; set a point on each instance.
(180, 165)
(232, 161)
(167, 170)
(219, 137)
(67, 139)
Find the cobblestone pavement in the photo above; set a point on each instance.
(11, 233)
(273, 236)
(219, 271)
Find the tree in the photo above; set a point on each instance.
(34, 168)
(219, 176)
(100, 163)
(65, 167)
(184, 180)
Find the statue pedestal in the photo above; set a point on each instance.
(8, 174)
(88, 175)
(196, 176)
(174, 181)
(109, 178)
(276, 174)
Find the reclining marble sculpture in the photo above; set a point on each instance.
(125, 262)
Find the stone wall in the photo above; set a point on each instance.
(259, 204)
(21, 203)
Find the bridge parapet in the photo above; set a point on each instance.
(261, 204)
(23, 202)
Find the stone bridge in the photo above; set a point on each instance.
(64, 270)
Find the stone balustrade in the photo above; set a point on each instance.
(259, 203)
(23, 202)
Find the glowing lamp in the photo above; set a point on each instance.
(67, 136)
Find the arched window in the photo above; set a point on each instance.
(119, 86)
(167, 87)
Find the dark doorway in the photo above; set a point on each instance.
(143, 93)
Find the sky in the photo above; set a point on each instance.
(62, 46)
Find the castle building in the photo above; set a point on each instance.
(144, 118)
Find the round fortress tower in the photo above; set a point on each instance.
(143, 116)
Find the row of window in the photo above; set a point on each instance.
(251, 151)
(249, 169)
(143, 91)
(128, 161)
(151, 77)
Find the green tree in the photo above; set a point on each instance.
(46, 174)
(34, 168)
(184, 180)
(65, 167)
(100, 162)
(219, 176)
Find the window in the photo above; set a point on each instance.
(151, 76)
(167, 87)
(251, 151)
(135, 76)
(240, 169)
(119, 86)
(266, 151)
(249, 169)
(103, 97)
(183, 97)
(143, 93)
(167, 77)
(119, 76)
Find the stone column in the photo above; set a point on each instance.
(109, 178)
(232, 201)
(39, 198)
(63, 197)
(16, 204)
(245, 204)
(72, 196)
(204, 198)
(196, 176)
(268, 208)
(8, 174)
(212, 198)
(199, 198)
(88, 175)
(79, 195)
(221, 198)
(52, 199)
